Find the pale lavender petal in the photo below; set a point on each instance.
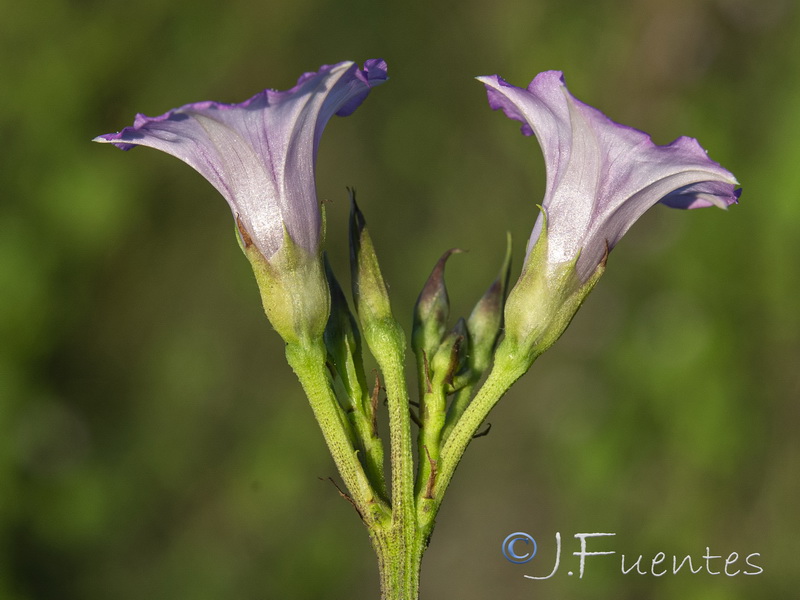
(602, 176)
(260, 153)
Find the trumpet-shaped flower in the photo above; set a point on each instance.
(260, 154)
(602, 176)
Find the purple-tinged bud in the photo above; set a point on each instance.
(485, 323)
(431, 312)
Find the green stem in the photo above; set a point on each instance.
(458, 405)
(373, 451)
(506, 370)
(307, 358)
(432, 414)
(370, 446)
(400, 547)
(389, 355)
(399, 564)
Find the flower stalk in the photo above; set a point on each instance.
(343, 343)
(307, 358)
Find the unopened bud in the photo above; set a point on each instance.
(369, 289)
(431, 311)
(451, 356)
(486, 320)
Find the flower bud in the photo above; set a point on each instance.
(486, 320)
(431, 312)
(451, 356)
(370, 296)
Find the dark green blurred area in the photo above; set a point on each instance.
(153, 442)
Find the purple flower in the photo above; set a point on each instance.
(602, 176)
(260, 154)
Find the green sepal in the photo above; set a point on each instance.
(294, 290)
(543, 302)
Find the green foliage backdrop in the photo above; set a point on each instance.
(153, 443)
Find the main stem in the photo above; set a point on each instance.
(398, 564)
(400, 545)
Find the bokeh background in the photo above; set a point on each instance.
(153, 442)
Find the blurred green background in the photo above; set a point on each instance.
(153, 443)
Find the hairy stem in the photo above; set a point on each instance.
(307, 358)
